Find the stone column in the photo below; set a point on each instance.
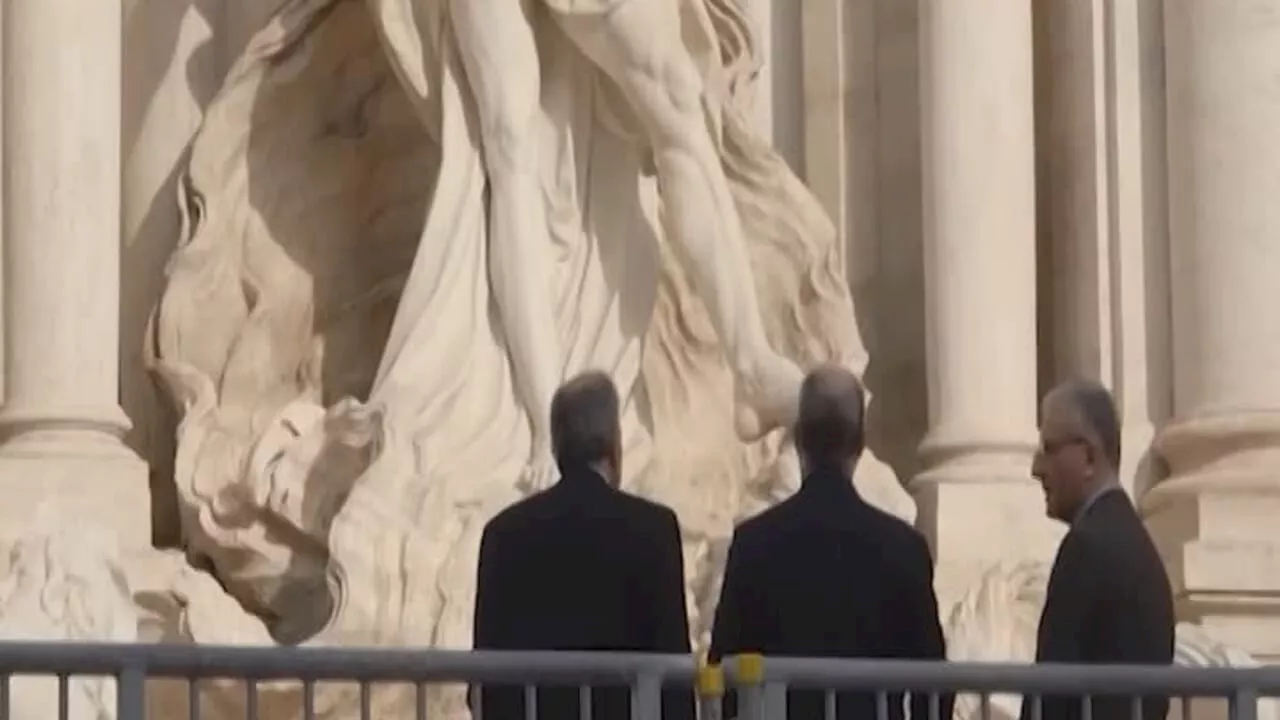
(977, 502)
(2, 161)
(1101, 188)
(61, 423)
(1215, 516)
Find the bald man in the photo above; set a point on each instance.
(1109, 599)
(826, 574)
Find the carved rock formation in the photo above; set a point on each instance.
(65, 582)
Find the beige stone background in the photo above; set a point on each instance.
(1116, 290)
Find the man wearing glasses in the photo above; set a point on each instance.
(1109, 599)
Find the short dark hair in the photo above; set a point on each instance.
(830, 430)
(1098, 411)
(585, 423)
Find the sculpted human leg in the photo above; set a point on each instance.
(637, 43)
(501, 63)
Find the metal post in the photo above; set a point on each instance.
(1244, 704)
(710, 692)
(131, 694)
(775, 700)
(646, 697)
(751, 699)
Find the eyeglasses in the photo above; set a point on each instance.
(1052, 447)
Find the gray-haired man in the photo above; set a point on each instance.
(582, 565)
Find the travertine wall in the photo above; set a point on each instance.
(1152, 239)
(841, 97)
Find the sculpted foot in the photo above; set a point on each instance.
(766, 398)
(540, 472)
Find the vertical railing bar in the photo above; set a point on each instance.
(4, 696)
(751, 702)
(882, 705)
(308, 700)
(775, 705)
(477, 701)
(193, 698)
(1037, 708)
(530, 702)
(1135, 708)
(984, 706)
(646, 702)
(750, 685)
(710, 687)
(130, 694)
(584, 702)
(775, 700)
(250, 699)
(1086, 707)
(1244, 704)
(935, 706)
(64, 696)
(419, 701)
(1186, 707)
(366, 700)
(829, 705)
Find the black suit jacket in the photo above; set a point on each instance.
(825, 574)
(1108, 602)
(581, 566)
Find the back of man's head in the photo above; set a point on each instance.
(829, 432)
(586, 428)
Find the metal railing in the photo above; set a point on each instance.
(761, 684)
(764, 684)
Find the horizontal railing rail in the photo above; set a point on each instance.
(982, 677)
(388, 665)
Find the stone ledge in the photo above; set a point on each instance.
(1223, 557)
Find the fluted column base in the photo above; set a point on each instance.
(74, 458)
(1215, 520)
(978, 505)
(63, 430)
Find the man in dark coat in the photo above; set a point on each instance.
(826, 574)
(582, 565)
(1109, 599)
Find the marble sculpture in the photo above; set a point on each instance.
(360, 380)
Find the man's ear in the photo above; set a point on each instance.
(1093, 456)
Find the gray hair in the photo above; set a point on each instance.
(830, 430)
(585, 423)
(1098, 412)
